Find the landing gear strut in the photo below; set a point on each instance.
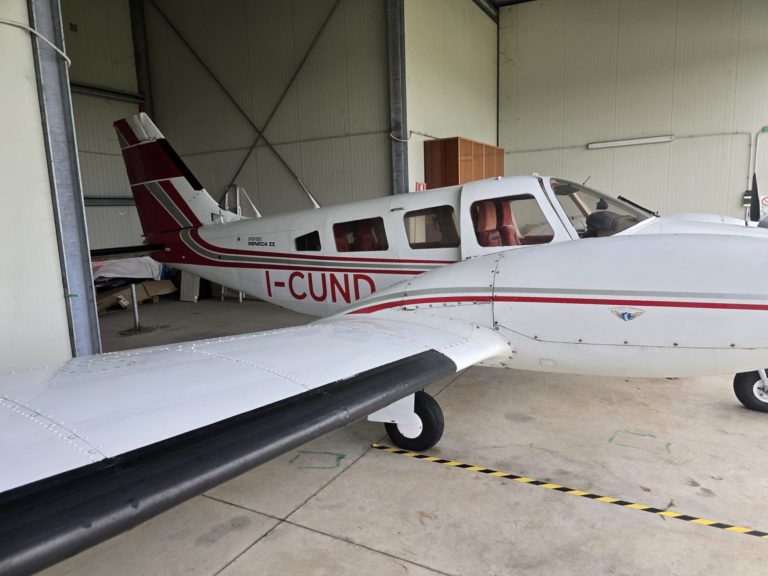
(413, 423)
(751, 388)
(432, 425)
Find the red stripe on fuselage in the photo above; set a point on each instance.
(648, 303)
(148, 162)
(548, 300)
(426, 300)
(178, 252)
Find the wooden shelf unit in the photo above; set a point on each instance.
(451, 161)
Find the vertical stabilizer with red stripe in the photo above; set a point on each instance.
(168, 196)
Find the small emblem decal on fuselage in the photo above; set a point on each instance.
(627, 314)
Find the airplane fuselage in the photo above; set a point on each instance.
(321, 261)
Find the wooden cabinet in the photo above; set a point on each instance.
(451, 161)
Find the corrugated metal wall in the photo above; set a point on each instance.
(98, 40)
(580, 71)
(450, 66)
(332, 125)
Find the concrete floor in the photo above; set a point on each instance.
(338, 507)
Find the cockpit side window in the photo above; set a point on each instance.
(510, 221)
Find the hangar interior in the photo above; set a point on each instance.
(286, 99)
(335, 99)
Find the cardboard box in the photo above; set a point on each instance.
(149, 290)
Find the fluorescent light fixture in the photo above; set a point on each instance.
(630, 142)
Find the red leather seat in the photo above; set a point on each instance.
(340, 235)
(364, 238)
(507, 229)
(485, 226)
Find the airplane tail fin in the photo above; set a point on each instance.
(168, 196)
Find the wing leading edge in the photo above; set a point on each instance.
(143, 464)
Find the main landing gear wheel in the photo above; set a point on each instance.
(432, 425)
(750, 391)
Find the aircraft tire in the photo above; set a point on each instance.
(432, 422)
(746, 390)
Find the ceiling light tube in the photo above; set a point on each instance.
(629, 142)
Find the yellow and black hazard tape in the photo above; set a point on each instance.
(582, 493)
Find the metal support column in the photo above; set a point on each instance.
(64, 174)
(140, 54)
(398, 123)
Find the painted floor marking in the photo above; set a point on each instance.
(573, 492)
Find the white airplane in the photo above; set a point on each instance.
(99, 444)
(318, 261)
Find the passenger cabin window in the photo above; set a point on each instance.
(510, 221)
(308, 242)
(360, 235)
(432, 228)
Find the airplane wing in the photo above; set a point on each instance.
(99, 444)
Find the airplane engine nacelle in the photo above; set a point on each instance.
(616, 305)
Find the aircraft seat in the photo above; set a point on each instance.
(507, 228)
(340, 235)
(486, 226)
(365, 239)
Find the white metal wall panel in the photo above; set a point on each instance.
(751, 78)
(190, 108)
(646, 66)
(702, 170)
(368, 80)
(113, 226)
(590, 70)
(94, 118)
(642, 173)
(321, 89)
(580, 71)
(594, 167)
(103, 176)
(101, 163)
(450, 66)
(275, 191)
(705, 65)
(333, 171)
(271, 27)
(99, 43)
(532, 118)
(341, 92)
(32, 313)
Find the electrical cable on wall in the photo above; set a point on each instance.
(31, 30)
(410, 133)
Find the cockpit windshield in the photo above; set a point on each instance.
(593, 213)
